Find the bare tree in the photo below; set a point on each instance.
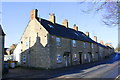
(110, 9)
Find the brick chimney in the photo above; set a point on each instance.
(75, 27)
(95, 38)
(52, 18)
(87, 34)
(102, 42)
(33, 14)
(65, 23)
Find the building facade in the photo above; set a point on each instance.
(47, 44)
(2, 36)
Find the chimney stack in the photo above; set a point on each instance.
(102, 42)
(33, 14)
(108, 44)
(95, 38)
(52, 18)
(75, 27)
(87, 34)
(65, 23)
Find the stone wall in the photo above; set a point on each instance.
(34, 44)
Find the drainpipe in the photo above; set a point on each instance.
(70, 52)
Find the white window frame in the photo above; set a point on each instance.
(58, 41)
(74, 43)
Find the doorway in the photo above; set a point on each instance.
(80, 57)
(67, 58)
(89, 57)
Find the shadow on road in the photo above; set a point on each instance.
(52, 73)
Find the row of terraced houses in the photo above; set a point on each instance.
(47, 44)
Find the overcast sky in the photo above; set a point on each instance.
(16, 15)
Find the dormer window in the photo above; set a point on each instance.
(76, 34)
(58, 42)
(74, 43)
(50, 26)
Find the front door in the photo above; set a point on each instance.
(67, 59)
(89, 57)
(80, 57)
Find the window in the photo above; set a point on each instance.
(84, 44)
(92, 45)
(57, 41)
(75, 57)
(85, 56)
(74, 43)
(93, 55)
(59, 59)
(24, 58)
(76, 34)
(26, 43)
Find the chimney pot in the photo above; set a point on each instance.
(75, 27)
(95, 38)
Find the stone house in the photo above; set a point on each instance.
(47, 44)
(2, 37)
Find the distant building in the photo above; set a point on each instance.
(16, 53)
(2, 36)
(47, 44)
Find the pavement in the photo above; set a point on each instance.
(100, 69)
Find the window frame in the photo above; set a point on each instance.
(58, 41)
(84, 44)
(74, 43)
(92, 45)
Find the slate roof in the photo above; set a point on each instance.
(62, 31)
(101, 45)
(1, 31)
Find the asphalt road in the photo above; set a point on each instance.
(108, 68)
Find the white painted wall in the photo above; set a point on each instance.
(16, 53)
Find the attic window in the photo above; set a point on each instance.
(50, 26)
(76, 34)
(83, 35)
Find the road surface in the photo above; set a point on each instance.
(108, 68)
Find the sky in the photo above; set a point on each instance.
(16, 15)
